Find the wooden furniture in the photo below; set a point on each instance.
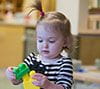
(10, 5)
(94, 22)
(89, 39)
(93, 26)
(14, 5)
(89, 48)
(11, 44)
(92, 76)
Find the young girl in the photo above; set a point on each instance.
(54, 71)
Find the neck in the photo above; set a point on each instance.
(50, 60)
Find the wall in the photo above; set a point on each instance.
(75, 10)
(83, 15)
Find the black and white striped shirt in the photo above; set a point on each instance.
(59, 72)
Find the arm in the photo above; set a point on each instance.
(15, 74)
(65, 76)
(44, 83)
(53, 86)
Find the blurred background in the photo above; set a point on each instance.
(17, 37)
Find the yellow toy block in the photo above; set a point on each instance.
(27, 81)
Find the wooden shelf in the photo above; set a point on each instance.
(90, 31)
(12, 5)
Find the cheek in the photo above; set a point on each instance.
(57, 47)
(38, 46)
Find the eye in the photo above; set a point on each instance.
(40, 40)
(52, 41)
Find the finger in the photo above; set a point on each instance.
(11, 77)
(36, 83)
(38, 77)
(16, 82)
(9, 73)
(10, 68)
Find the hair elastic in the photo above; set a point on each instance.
(41, 13)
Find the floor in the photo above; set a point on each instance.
(85, 85)
(6, 84)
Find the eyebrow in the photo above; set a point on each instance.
(48, 37)
(52, 37)
(38, 37)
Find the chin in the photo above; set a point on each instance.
(50, 57)
(47, 56)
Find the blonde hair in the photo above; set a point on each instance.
(56, 21)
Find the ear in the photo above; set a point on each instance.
(68, 42)
(65, 42)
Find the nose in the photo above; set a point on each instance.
(45, 45)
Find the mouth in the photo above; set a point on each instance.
(45, 52)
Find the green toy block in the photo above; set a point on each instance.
(21, 70)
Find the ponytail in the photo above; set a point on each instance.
(37, 6)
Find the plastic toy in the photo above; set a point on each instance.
(27, 81)
(23, 72)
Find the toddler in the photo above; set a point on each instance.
(53, 71)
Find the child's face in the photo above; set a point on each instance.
(49, 42)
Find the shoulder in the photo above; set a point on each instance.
(66, 59)
(66, 62)
(30, 59)
(31, 56)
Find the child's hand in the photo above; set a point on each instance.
(10, 75)
(41, 80)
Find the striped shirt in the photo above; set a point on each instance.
(59, 72)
